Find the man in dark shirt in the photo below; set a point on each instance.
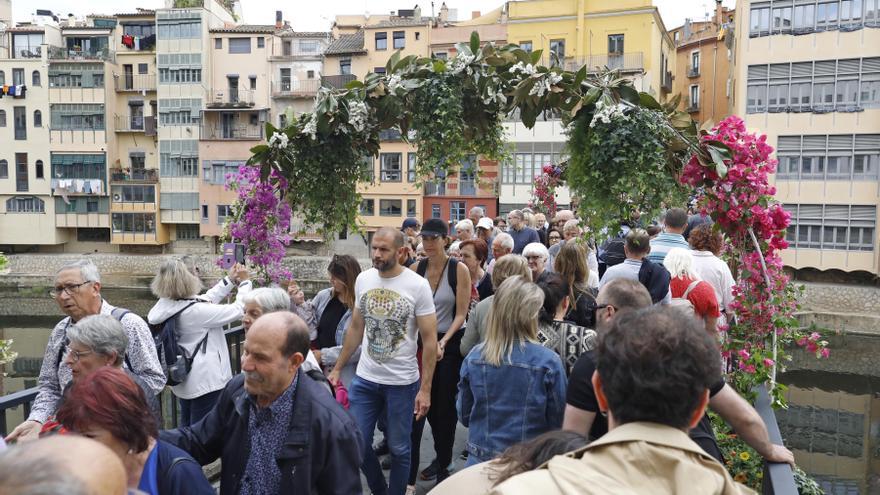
(582, 409)
(522, 234)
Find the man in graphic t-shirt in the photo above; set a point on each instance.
(391, 303)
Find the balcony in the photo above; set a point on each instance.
(435, 188)
(135, 123)
(232, 132)
(623, 62)
(694, 71)
(337, 82)
(78, 187)
(287, 88)
(666, 83)
(692, 106)
(134, 82)
(231, 98)
(59, 53)
(297, 54)
(141, 176)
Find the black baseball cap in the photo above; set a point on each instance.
(410, 223)
(435, 227)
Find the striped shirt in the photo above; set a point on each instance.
(661, 245)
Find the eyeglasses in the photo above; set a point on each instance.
(534, 257)
(69, 289)
(600, 307)
(76, 355)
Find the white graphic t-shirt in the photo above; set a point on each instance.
(389, 307)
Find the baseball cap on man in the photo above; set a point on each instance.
(410, 223)
(435, 227)
(485, 223)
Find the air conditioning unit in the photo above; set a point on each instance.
(117, 197)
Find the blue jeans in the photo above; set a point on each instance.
(193, 410)
(368, 401)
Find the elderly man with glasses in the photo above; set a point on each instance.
(77, 291)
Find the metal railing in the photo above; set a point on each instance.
(624, 62)
(60, 53)
(150, 175)
(231, 98)
(693, 71)
(129, 123)
(134, 82)
(778, 477)
(337, 82)
(298, 87)
(666, 83)
(211, 132)
(25, 398)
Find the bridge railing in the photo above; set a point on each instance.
(778, 477)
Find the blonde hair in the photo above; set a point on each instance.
(175, 281)
(517, 304)
(571, 265)
(680, 263)
(509, 266)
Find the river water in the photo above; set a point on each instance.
(832, 423)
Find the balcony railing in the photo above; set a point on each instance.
(231, 98)
(693, 71)
(467, 188)
(666, 83)
(693, 107)
(130, 123)
(624, 62)
(295, 54)
(33, 52)
(307, 88)
(337, 82)
(59, 53)
(219, 132)
(134, 82)
(148, 175)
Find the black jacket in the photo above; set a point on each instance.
(655, 278)
(178, 474)
(322, 453)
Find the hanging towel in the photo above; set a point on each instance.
(96, 186)
(78, 185)
(137, 42)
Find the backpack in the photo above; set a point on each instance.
(683, 303)
(175, 360)
(118, 313)
(612, 251)
(451, 275)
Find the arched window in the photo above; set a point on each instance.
(2, 118)
(38, 118)
(35, 78)
(25, 204)
(40, 171)
(4, 169)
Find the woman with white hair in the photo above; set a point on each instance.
(200, 336)
(536, 254)
(464, 230)
(689, 291)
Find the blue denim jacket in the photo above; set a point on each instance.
(507, 404)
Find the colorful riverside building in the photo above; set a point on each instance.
(808, 75)
(626, 35)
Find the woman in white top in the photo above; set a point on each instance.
(200, 330)
(706, 246)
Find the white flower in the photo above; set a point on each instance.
(311, 127)
(278, 140)
(554, 78)
(394, 83)
(607, 114)
(460, 62)
(357, 115)
(526, 70)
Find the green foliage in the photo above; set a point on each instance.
(3, 261)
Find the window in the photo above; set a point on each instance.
(40, 171)
(435, 211)
(467, 175)
(179, 76)
(367, 208)
(399, 39)
(19, 121)
(136, 223)
(134, 194)
(390, 167)
(25, 204)
(379, 70)
(832, 227)
(261, 42)
(389, 208)
(2, 118)
(782, 20)
(310, 74)
(79, 75)
(215, 172)
(418, 34)
(676, 37)
(411, 167)
(694, 97)
(309, 46)
(146, 31)
(441, 55)
(239, 45)
(345, 66)
(457, 211)
(526, 46)
(804, 18)
(527, 160)
(21, 172)
(93, 235)
(77, 116)
(557, 50)
(759, 21)
(38, 118)
(253, 80)
(218, 43)
(176, 27)
(4, 169)
(2, 78)
(187, 232)
(36, 80)
(615, 44)
(381, 41)
(369, 168)
(286, 48)
(223, 211)
(92, 206)
(179, 158)
(411, 208)
(204, 213)
(179, 111)
(143, 68)
(18, 77)
(694, 69)
(826, 16)
(853, 157)
(27, 45)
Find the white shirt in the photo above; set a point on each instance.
(389, 307)
(715, 271)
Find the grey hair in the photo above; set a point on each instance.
(680, 263)
(516, 213)
(269, 299)
(175, 281)
(536, 249)
(19, 474)
(505, 239)
(455, 247)
(465, 224)
(87, 269)
(571, 225)
(477, 209)
(102, 334)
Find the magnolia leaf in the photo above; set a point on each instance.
(718, 157)
(495, 61)
(392, 62)
(536, 57)
(592, 96)
(522, 56)
(628, 93)
(648, 101)
(580, 76)
(475, 42)
(355, 84)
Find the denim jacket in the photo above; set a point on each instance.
(507, 404)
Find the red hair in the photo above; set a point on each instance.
(481, 250)
(110, 400)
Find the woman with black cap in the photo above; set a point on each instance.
(450, 283)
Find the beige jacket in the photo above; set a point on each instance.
(635, 458)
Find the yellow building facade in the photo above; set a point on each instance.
(808, 76)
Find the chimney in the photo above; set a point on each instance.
(278, 19)
(444, 13)
(71, 20)
(719, 13)
(417, 14)
(475, 14)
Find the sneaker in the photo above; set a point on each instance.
(410, 489)
(430, 472)
(381, 449)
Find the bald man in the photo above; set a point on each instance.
(61, 464)
(276, 429)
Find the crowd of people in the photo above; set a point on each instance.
(575, 367)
